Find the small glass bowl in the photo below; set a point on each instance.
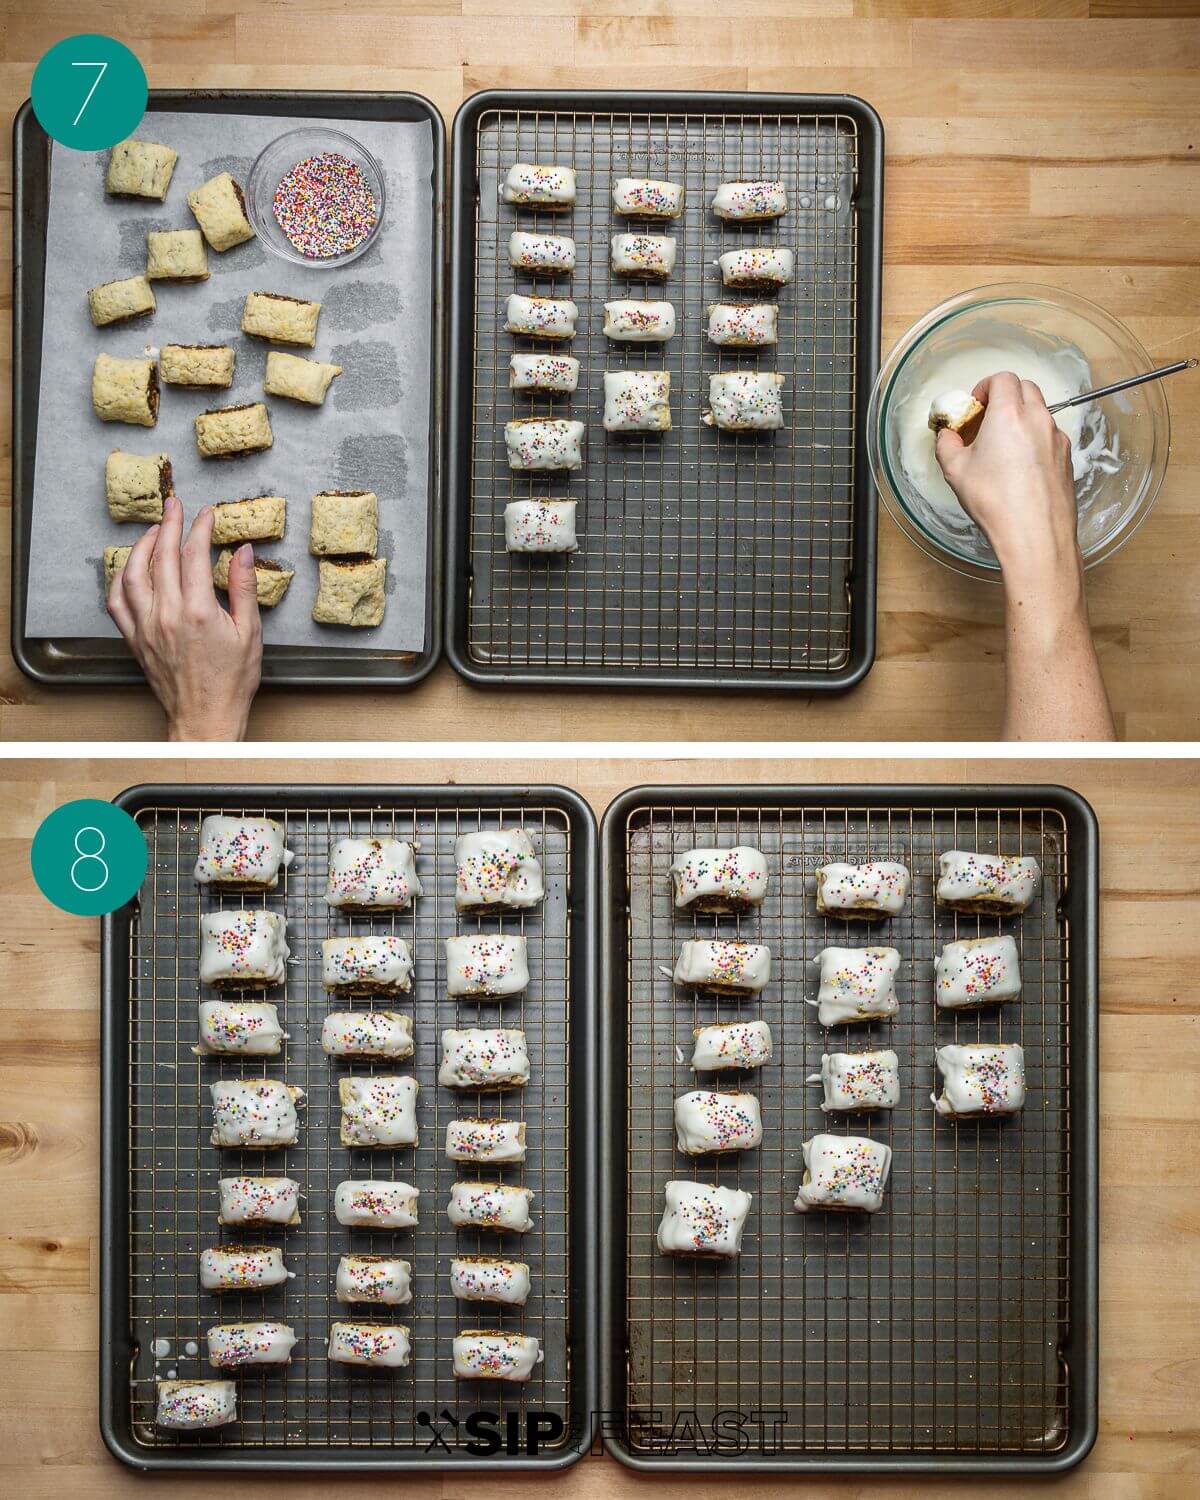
(272, 165)
(1114, 506)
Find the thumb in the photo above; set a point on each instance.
(948, 449)
(243, 589)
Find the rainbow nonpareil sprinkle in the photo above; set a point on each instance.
(325, 206)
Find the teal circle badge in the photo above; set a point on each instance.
(89, 92)
(88, 857)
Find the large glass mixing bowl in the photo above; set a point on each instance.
(1136, 430)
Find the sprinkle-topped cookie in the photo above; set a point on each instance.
(490, 1205)
(537, 185)
(486, 1278)
(366, 964)
(544, 443)
(723, 964)
(737, 1044)
(637, 400)
(258, 1112)
(248, 1027)
(743, 325)
(719, 880)
(984, 1080)
(373, 1278)
(243, 949)
(540, 526)
(647, 198)
(258, 1200)
(859, 1081)
(555, 374)
(378, 1111)
(645, 257)
(483, 1355)
(241, 1268)
(372, 875)
(876, 889)
(709, 1122)
(540, 317)
(233, 1345)
(376, 1204)
(485, 1140)
(195, 1405)
(843, 1172)
(241, 853)
(977, 971)
(367, 1033)
(750, 200)
(486, 966)
(857, 984)
(630, 322)
(496, 869)
(384, 1346)
(475, 1058)
(548, 254)
(745, 401)
(757, 268)
(996, 883)
(702, 1219)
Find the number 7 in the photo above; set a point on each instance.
(103, 66)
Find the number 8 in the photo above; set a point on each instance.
(93, 855)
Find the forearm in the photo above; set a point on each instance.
(1055, 690)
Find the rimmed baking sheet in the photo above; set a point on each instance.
(955, 1330)
(381, 321)
(160, 1172)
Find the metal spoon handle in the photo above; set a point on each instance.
(1124, 385)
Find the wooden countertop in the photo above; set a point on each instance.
(1051, 140)
(1149, 1448)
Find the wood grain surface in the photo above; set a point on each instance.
(1051, 140)
(1149, 1448)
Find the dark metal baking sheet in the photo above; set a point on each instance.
(706, 560)
(82, 662)
(956, 1330)
(158, 1191)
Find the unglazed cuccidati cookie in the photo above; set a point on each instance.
(140, 169)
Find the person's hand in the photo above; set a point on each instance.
(203, 663)
(1015, 482)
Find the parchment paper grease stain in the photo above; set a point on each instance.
(356, 305)
(370, 376)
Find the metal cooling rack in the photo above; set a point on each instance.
(312, 1407)
(947, 1327)
(705, 558)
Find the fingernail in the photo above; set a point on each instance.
(173, 503)
(205, 511)
(246, 554)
